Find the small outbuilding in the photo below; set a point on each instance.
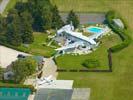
(8, 75)
(118, 23)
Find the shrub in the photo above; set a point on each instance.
(123, 33)
(91, 63)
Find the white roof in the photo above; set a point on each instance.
(119, 22)
(80, 36)
(58, 84)
(69, 30)
(70, 46)
(65, 28)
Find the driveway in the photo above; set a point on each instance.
(8, 55)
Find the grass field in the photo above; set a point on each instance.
(37, 47)
(75, 62)
(117, 85)
(124, 7)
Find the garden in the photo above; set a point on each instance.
(100, 54)
(105, 86)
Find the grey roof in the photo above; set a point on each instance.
(53, 94)
(38, 59)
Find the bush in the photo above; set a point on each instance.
(91, 63)
(123, 33)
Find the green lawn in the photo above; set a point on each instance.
(37, 47)
(75, 62)
(117, 85)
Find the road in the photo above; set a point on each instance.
(3, 5)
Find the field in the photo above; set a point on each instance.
(117, 85)
(37, 47)
(124, 7)
(75, 62)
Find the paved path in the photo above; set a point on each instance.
(49, 68)
(3, 5)
(81, 94)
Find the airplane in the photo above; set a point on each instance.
(44, 80)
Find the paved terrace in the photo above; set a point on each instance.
(8, 55)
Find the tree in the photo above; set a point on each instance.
(56, 18)
(13, 29)
(41, 13)
(23, 68)
(12, 35)
(21, 7)
(26, 28)
(1, 26)
(47, 16)
(72, 17)
(1, 73)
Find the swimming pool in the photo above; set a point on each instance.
(94, 29)
(14, 93)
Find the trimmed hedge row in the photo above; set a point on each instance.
(123, 33)
(18, 86)
(84, 70)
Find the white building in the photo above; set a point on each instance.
(118, 23)
(76, 41)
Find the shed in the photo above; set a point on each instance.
(118, 23)
(8, 75)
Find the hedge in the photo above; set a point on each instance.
(18, 86)
(91, 63)
(123, 33)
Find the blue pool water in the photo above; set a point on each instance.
(14, 93)
(94, 30)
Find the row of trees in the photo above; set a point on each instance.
(19, 28)
(34, 15)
